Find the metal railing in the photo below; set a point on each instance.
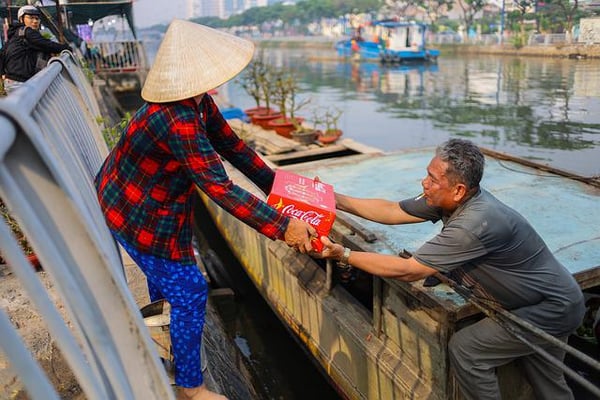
(116, 57)
(50, 150)
(534, 39)
(547, 39)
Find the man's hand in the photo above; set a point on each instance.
(298, 235)
(330, 250)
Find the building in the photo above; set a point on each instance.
(225, 8)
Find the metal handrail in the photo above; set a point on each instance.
(50, 150)
(116, 56)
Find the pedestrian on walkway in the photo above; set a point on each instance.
(173, 146)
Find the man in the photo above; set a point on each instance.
(489, 248)
(26, 51)
(171, 146)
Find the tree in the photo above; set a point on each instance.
(435, 8)
(567, 10)
(398, 7)
(469, 9)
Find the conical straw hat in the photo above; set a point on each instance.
(193, 59)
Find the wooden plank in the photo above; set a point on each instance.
(307, 153)
(266, 141)
(359, 147)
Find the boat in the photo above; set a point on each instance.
(104, 33)
(380, 338)
(385, 81)
(389, 41)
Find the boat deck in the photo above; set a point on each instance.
(562, 210)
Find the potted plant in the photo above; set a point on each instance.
(330, 119)
(252, 81)
(267, 89)
(304, 134)
(285, 90)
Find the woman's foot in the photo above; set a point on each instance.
(198, 393)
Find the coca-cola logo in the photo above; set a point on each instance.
(312, 217)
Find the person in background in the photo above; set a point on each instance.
(26, 51)
(492, 250)
(172, 146)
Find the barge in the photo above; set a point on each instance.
(384, 339)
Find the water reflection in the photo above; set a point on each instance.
(545, 110)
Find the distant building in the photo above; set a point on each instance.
(224, 8)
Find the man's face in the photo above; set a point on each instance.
(437, 189)
(32, 21)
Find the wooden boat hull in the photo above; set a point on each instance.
(389, 42)
(373, 51)
(394, 344)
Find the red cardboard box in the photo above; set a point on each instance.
(305, 199)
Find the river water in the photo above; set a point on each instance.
(546, 110)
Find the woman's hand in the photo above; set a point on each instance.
(298, 235)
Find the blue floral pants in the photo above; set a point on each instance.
(186, 290)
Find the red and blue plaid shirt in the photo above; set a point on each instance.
(145, 184)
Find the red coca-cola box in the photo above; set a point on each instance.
(305, 199)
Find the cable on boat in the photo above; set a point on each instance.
(593, 180)
(516, 326)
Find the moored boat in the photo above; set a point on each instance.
(389, 41)
(380, 338)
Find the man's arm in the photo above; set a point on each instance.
(387, 266)
(377, 210)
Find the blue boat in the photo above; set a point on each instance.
(389, 41)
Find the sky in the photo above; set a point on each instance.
(151, 12)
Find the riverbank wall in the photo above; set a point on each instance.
(559, 50)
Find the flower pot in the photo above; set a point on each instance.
(263, 119)
(258, 110)
(305, 137)
(285, 126)
(329, 136)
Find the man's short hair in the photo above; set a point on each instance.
(465, 161)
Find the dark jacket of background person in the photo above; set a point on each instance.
(26, 52)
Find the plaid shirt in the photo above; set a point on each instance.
(145, 184)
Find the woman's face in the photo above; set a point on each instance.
(32, 21)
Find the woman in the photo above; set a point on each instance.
(172, 145)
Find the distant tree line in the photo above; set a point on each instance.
(547, 16)
(303, 12)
